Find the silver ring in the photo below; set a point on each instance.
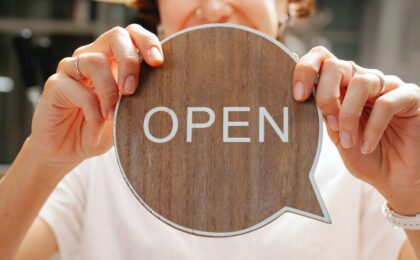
(76, 68)
(382, 81)
(354, 67)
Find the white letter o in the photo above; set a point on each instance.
(174, 125)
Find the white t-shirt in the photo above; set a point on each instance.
(94, 215)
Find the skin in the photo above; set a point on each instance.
(73, 119)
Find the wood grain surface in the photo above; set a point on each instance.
(208, 186)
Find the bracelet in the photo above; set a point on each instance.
(397, 220)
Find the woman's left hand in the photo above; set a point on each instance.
(373, 119)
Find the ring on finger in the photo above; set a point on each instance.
(354, 67)
(76, 68)
(382, 82)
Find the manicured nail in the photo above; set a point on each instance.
(299, 91)
(365, 148)
(130, 84)
(345, 139)
(155, 54)
(333, 122)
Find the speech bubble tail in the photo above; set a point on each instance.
(324, 216)
(309, 204)
(314, 208)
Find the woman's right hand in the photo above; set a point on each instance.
(73, 120)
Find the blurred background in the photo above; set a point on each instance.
(35, 35)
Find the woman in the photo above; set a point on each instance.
(375, 126)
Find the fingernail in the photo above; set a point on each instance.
(365, 148)
(345, 139)
(332, 122)
(155, 54)
(130, 84)
(299, 90)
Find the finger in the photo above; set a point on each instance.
(334, 74)
(69, 93)
(95, 67)
(403, 101)
(306, 71)
(359, 90)
(116, 44)
(390, 82)
(147, 43)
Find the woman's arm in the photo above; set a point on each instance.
(407, 252)
(411, 248)
(39, 243)
(72, 122)
(374, 121)
(23, 191)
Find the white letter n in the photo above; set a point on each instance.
(263, 114)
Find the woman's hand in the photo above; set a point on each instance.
(73, 120)
(373, 119)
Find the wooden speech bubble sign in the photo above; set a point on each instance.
(213, 142)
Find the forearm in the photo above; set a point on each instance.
(414, 238)
(23, 191)
(408, 207)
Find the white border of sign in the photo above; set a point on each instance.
(326, 218)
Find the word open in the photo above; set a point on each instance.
(264, 116)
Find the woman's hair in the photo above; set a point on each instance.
(148, 12)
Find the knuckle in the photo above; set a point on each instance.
(63, 62)
(394, 78)
(52, 81)
(144, 35)
(417, 91)
(320, 49)
(79, 50)
(52, 84)
(92, 62)
(134, 27)
(305, 68)
(96, 60)
(361, 80)
(331, 64)
(117, 31)
(383, 104)
(414, 87)
(325, 101)
(375, 71)
(348, 116)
